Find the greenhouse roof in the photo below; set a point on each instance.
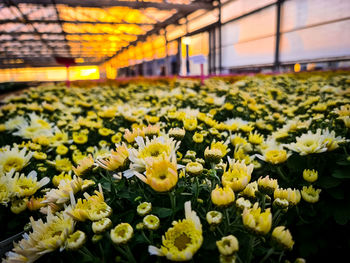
(52, 32)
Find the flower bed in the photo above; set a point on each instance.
(248, 169)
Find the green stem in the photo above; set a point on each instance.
(263, 201)
(268, 254)
(102, 251)
(197, 189)
(281, 174)
(227, 217)
(220, 231)
(130, 255)
(122, 251)
(276, 216)
(173, 203)
(145, 237)
(250, 249)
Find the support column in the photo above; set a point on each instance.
(220, 39)
(278, 36)
(166, 63)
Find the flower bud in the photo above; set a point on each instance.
(144, 208)
(228, 245)
(310, 194)
(310, 175)
(222, 196)
(267, 185)
(152, 222)
(76, 240)
(102, 225)
(194, 168)
(283, 238)
(214, 217)
(122, 233)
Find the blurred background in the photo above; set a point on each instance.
(56, 40)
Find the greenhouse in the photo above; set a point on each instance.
(174, 130)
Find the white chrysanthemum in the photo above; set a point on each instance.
(6, 188)
(273, 152)
(13, 159)
(331, 141)
(45, 238)
(37, 126)
(62, 193)
(309, 143)
(157, 148)
(238, 121)
(28, 185)
(12, 123)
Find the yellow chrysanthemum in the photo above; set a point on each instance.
(216, 152)
(92, 207)
(61, 164)
(255, 138)
(238, 175)
(80, 138)
(222, 196)
(310, 194)
(267, 185)
(116, 160)
(257, 221)
(291, 195)
(182, 240)
(84, 165)
(161, 174)
(282, 237)
(61, 149)
(62, 176)
(59, 138)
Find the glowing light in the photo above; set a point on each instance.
(79, 60)
(186, 40)
(297, 67)
(49, 74)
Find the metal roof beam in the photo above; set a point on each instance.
(62, 33)
(111, 3)
(171, 20)
(5, 21)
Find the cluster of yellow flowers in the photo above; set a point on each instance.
(239, 156)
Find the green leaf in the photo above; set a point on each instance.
(341, 174)
(336, 193)
(328, 182)
(162, 212)
(343, 163)
(342, 215)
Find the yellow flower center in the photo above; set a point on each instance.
(182, 241)
(276, 156)
(154, 150)
(121, 232)
(13, 162)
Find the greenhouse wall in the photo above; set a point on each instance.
(308, 25)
